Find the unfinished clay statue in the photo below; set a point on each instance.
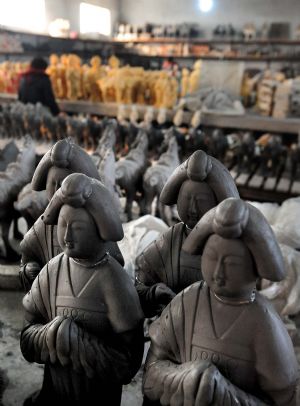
(220, 342)
(83, 318)
(197, 185)
(40, 242)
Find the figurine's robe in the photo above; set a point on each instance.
(255, 353)
(105, 309)
(164, 261)
(40, 245)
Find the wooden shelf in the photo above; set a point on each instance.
(204, 41)
(246, 121)
(252, 122)
(251, 58)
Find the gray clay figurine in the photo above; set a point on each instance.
(220, 342)
(197, 185)
(157, 175)
(40, 242)
(8, 154)
(82, 316)
(12, 180)
(130, 170)
(245, 153)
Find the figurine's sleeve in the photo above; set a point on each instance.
(33, 335)
(114, 359)
(31, 246)
(163, 356)
(123, 355)
(150, 264)
(123, 307)
(276, 363)
(147, 299)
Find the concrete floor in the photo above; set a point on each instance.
(22, 378)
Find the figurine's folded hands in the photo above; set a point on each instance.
(215, 389)
(154, 298)
(31, 270)
(28, 273)
(163, 295)
(38, 340)
(51, 334)
(174, 384)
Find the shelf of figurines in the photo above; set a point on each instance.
(221, 57)
(206, 41)
(248, 121)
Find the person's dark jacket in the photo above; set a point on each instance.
(34, 87)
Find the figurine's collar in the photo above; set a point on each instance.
(233, 302)
(89, 265)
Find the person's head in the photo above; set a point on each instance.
(38, 63)
(238, 246)
(64, 158)
(85, 214)
(198, 185)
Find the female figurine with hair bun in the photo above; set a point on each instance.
(220, 342)
(83, 318)
(163, 269)
(40, 242)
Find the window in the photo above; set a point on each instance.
(27, 15)
(94, 19)
(205, 5)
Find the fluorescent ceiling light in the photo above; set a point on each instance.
(205, 5)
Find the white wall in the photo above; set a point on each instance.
(69, 9)
(237, 12)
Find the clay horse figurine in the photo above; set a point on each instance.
(220, 342)
(83, 318)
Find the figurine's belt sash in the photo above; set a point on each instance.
(81, 303)
(221, 346)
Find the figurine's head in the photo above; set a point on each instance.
(64, 158)
(237, 246)
(114, 62)
(197, 65)
(85, 214)
(75, 231)
(194, 200)
(198, 185)
(54, 59)
(228, 268)
(95, 61)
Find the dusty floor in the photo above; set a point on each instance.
(22, 378)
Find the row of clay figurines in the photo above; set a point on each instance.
(218, 342)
